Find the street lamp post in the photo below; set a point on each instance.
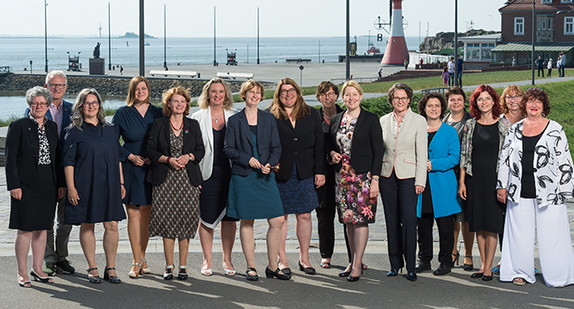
(46, 34)
(142, 40)
(258, 36)
(347, 45)
(214, 40)
(109, 39)
(456, 43)
(533, 37)
(164, 40)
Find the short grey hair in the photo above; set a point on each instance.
(77, 113)
(56, 73)
(38, 91)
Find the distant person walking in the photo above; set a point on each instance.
(549, 67)
(459, 69)
(540, 65)
(562, 64)
(450, 67)
(406, 63)
(513, 61)
(444, 76)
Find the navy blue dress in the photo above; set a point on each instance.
(134, 130)
(95, 153)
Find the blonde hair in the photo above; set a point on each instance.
(168, 94)
(351, 83)
(203, 100)
(508, 90)
(131, 99)
(300, 109)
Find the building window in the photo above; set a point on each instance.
(518, 25)
(568, 25)
(546, 1)
(565, 1)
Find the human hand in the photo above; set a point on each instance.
(419, 189)
(183, 159)
(462, 191)
(123, 191)
(136, 160)
(429, 166)
(73, 196)
(266, 169)
(254, 163)
(374, 189)
(174, 163)
(147, 161)
(319, 180)
(501, 195)
(61, 192)
(335, 157)
(16, 193)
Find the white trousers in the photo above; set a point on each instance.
(552, 229)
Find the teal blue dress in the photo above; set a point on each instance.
(254, 196)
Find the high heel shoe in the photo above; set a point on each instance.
(455, 257)
(109, 278)
(411, 276)
(252, 277)
(394, 271)
(134, 274)
(353, 279)
(22, 283)
(182, 275)
(468, 267)
(41, 279)
(168, 273)
(285, 270)
(145, 270)
(344, 273)
(307, 270)
(270, 274)
(93, 279)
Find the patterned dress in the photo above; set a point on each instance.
(352, 189)
(175, 202)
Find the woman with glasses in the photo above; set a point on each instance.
(32, 178)
(302, 166)
(357, 151)
(93, 169)
(483, 134)
(403, 177)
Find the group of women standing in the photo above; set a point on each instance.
(178, 175)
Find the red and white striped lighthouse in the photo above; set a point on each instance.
(396, 52)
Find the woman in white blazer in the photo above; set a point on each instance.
(216, 105)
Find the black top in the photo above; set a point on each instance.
(427, 206)
(527, 180)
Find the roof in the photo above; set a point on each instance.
(523, 47)
(497, 37)
(526, 5)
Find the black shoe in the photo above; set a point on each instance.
(37, 277)
(286, 271)
(441, 270)
(252, 277)
(270, 274)
(111, 279)
(411, 276)
(64, 267)
(393, 272)
(344, 273)
(307, 270)
(168, 273)
(476, 275)
(422, 266)
(93, 279)
(468, 267)
(182, 275)
(353, 279)
(486, 278)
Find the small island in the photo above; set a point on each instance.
(133, 35)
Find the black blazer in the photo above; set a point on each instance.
(23, 150)
(239, 145)
(158, 145)
(366, 145)
(302, 145)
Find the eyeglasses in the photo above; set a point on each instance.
(90, 104)
(328, 94)
(513, 97)
(287, 91)
(33, 105)
(404, 99)
(57, 85)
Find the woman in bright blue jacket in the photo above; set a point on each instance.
(439, 201)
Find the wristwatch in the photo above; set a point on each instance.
(190, 158)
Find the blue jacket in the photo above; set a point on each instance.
(238, 143)
(444, 154)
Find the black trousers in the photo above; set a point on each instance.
(400, 202)
(540, 70)
(445, 235)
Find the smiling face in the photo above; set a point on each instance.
(287, 95)
(57, 87)
(401, 101)
(455, 103)
(485, 103)
(253, 97)
(91, 107)
(512, 101)
(141, 92)
(216, 94)
(352, 98)
(177, 104)
(38, 107)
(328, 98)
(534, 108)
(433, 109)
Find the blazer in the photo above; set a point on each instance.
(23, 150)
(302, 145)
(552, 165)
(405, 147)
(203, 116)
(66, 114)
(444, 153)
(158, 144)
(239, 145)
(366, 145)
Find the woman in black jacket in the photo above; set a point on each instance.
(357, 149)
(302, 165)
(175, 148)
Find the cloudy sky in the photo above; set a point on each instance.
(238, 18)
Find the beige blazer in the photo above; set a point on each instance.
(203, 116)
(405, 147)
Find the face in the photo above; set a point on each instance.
(287, 95)
(455, 103)
(57, 87)
(485, 102)
(38, 107)
(352, 98)
(534, 108)
(401, 101)
(91, 106)
(177, 104)
(433, 109)
(328, 98)
(512, 101)
(216, 94)
(141, 92)
(253, 97)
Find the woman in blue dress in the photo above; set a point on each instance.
(252, 144)
(93, 170)
(134, 122)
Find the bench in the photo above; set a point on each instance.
(234, 75)
(441, 90)
(297, 60)
(173, 73)
(5, 70)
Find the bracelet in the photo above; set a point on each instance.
(190, 158)
(168, 158)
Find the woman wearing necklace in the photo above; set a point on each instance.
(252, 144)
(534, 180)
(134, 122)
(175, 148)
(216, 105)
(357, 150)
(439, 199)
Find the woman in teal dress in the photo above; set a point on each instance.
(252, 144)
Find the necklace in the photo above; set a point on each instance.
(174, 128)
(215, 117)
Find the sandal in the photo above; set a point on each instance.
(168, 274)
(325, 263)
(182, 273)
(93, 279)
(519, 281)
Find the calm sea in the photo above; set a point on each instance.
(19, 52)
